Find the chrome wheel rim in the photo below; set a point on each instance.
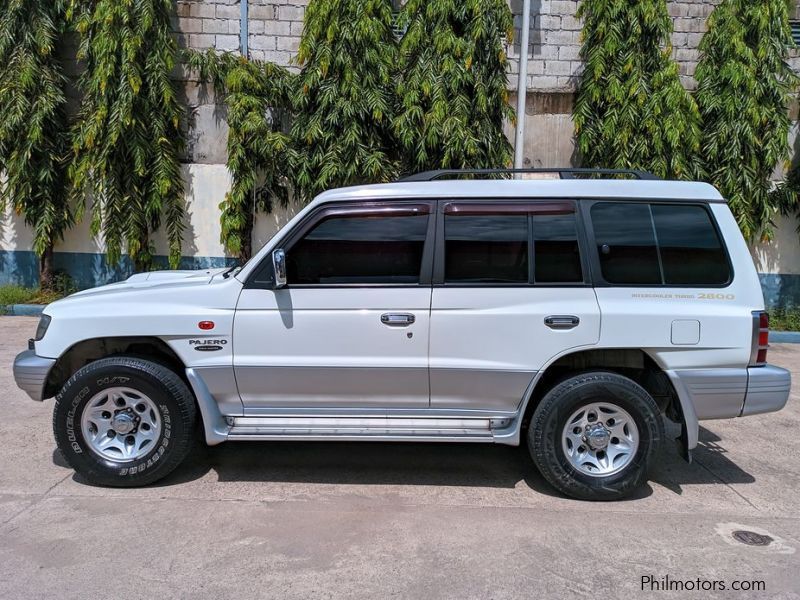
(600, 439)
(121, 424)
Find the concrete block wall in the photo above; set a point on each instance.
(554, 45)
(275, 27)
(689, 24)
(554, 65)
(204, 24)
(555, 39)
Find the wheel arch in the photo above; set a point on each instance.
(634, 363)
(87, 351)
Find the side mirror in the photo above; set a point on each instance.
(279, 267)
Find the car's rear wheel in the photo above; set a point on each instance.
(593, 435)
(124, 421)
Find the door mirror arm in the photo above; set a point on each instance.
(279, 267)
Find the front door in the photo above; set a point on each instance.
(350, 328)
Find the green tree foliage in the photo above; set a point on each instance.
(33, 140)
(452, 88)
(260, 154)
(744, 86)
(785, 198)
(631, 110)
(344, 99)
(128, 138)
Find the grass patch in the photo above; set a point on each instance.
(46, 297)
(783, 319)
(15, 294)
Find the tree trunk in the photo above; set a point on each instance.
(143, 261)
(247, 238)
(46, 269)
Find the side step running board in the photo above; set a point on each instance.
(361, 428)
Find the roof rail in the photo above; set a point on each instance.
(568, 173)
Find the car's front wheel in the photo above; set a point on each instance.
(593, 436)
(124, 421)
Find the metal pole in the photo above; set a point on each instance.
(522, 83)
(243, 28)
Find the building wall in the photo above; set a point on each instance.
(275, 27)
(554, 65)
(555, 40)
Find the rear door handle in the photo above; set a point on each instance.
(398, 319)
(562, 321)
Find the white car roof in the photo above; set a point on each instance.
(618, 189)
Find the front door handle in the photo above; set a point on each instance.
(562, 321)
(397, 319)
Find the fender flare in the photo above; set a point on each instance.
(690, 424)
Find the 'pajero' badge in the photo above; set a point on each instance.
(207, 345)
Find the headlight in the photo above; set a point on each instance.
(44, 323)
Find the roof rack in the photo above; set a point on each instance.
(562, 173)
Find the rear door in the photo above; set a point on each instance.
(666, 283)
(510, 291)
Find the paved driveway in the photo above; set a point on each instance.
(312, 520)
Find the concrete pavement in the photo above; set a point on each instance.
(314, 520)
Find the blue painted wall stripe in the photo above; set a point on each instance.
(89, 270)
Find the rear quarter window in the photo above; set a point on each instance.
(691, 250)
(659, 244)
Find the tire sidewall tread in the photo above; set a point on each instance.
(164, 387)
(545, 431)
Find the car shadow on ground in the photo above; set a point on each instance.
(711, 464)
(426, 464)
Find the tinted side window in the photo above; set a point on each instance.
(486, 248)
(691, 251)
(626, 243)
(363, 249)
(556, 254)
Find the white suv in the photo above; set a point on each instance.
(574, 312)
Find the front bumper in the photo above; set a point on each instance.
(30, 373)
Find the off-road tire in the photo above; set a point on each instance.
(162, 385)
(550, 416)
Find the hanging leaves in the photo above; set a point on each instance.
(260, 154)
(452, 88)
(344, 100)
(128, 138)
(786, 196)
(33, 128)
(632, 111)
(744, 87)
